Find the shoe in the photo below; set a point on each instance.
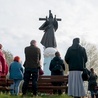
(34, 96)
(59, 93)
(23, 96)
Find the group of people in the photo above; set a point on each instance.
(17, 72)
(31, 65)
(76, 59)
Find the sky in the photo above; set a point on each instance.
(19, 23)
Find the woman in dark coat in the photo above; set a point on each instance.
(57, 60)
(76, 58)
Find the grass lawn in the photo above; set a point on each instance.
(29, 96)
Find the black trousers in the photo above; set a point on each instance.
(57, 91)
(57, 83)
(30, 72)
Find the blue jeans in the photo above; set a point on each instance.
(30, 72)
(15, 87)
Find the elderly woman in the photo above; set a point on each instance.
(76, 58)
(16, 74)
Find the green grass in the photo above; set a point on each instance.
(2, 95)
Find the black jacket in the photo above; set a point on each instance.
(53, 62)
(32, 57)
(76, 57)
(92, 82)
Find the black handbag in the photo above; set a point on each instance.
(85, 74)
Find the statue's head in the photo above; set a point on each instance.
(50, 14)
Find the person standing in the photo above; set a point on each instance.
(3, 63)
(92, 83)
(31, 64)
(55, 62)
(16, 74)
(76, 59)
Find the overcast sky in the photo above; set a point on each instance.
(19, 22)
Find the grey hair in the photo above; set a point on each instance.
(32, 42)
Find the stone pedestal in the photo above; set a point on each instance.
(49, 53)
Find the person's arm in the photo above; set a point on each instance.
(63, 65)
(96, 76)
(39, 54)
(67, 57)
(21, 69)
(85, 56)
(3, 64)
(50, 67)
(39, 58)
(9, 68)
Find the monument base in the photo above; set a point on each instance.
(49, 54)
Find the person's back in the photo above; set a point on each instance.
(16, 70)
(76, 58)
(32, 65)
(32, 54)
(57, 61)
(16, 74)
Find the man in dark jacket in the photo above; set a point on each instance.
(76, 58)
(57, 61)
(53, 63)
(31, 64)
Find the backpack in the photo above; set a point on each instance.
(57, 67)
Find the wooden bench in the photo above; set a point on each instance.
(5, 83)
(45, 83)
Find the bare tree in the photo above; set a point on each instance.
(92, 53)
(8, 56)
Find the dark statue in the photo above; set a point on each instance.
(49, 26)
